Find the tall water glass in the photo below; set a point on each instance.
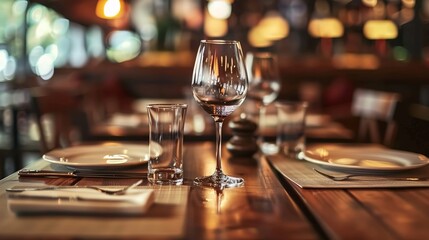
(291, 127)
(166, 128)
(219, 85)
(264, 88)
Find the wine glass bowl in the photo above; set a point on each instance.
(264, 88)
(219, 85)
(264, 78)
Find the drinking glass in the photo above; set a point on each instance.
(219, 85)
(291, 127)
(166, 129)
(264, 88)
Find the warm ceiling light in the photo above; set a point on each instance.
(220, 9)
(256, 39)
(214, 27)
(274, 26)
(370, 3)
(380, 29)
(271, 28)
(409, 3)
(109, 9)
(326, 28)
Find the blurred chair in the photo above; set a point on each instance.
(375, 108)
(58, 117)
(4, 147)
(415, 132)
(3, 157)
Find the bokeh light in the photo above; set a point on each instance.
(380, 29)
(326, 28)
(214, 27)
(109, 9)
(7, 66)
(400, 53)
(123, 46)
(45, 66)
(272, 27)
(219, 9)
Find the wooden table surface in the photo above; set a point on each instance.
(270, 207)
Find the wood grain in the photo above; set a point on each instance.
(267, 207)
(262, 209)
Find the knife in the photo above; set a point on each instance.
(79, 174)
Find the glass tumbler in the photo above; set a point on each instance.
(166, 129)
(291, 117)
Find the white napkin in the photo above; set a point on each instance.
(81, 200)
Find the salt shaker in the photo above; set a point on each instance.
(243, 142)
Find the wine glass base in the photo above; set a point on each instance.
(219, 181)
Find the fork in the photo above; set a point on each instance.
(347, 177)
(121, 191)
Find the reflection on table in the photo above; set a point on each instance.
(269, 206)
(260, 209)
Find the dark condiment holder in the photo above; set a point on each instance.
(243, 142)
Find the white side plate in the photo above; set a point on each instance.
(101, 156)
(360, 158)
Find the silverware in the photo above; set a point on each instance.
(79, 173)
(347, 177)
(121, 191)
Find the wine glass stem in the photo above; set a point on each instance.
(218, 125)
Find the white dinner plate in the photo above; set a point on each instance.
(363, 159)
(101, 156)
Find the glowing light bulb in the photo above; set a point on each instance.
(109, 9)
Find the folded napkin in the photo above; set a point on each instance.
(302, 174)
(81, 200)
(165, 219)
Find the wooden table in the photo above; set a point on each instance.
(270, 207)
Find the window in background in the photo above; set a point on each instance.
(11, 41)
(53, 42)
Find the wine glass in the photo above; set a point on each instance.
(219, 85)
(264, 88)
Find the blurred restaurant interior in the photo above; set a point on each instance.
(113, 55)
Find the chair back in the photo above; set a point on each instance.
(375, 107)
(54, 112)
